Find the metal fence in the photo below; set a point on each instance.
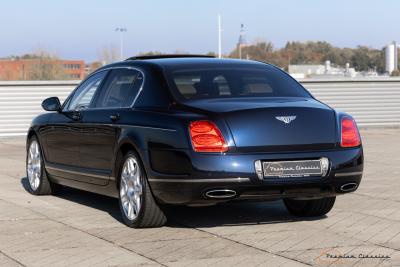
(21, 101)
(373, 102)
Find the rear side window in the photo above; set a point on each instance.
(120, 89)
(234, 82)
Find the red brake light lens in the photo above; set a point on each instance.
(206, 137)
(350, 134)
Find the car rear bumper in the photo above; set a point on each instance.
(234, 174)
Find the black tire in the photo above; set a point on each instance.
(309, 208)
(46, 187)
(149, 214)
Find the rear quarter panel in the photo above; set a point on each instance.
(160, 137)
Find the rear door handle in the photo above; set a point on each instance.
(76, 116)
(115, 117)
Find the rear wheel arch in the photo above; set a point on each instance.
(122, 150)
(126, 147)
(150, 214)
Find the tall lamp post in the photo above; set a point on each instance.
(121, 31)
(219, 37)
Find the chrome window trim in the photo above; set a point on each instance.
(109, 69)
(137, 94)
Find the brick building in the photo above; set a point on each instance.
(25, 69)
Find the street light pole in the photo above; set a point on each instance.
(219, 36)
(121, 36)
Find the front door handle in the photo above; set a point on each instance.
(115, 117)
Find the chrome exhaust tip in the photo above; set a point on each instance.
(220, 193)
(348, 187)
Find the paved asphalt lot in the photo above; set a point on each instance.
(81, 229)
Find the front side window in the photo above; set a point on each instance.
(83, 96)
(120, 89)
(226, 82)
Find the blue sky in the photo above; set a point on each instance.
(79, 29)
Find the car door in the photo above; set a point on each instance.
(101, 121)
(63, 135)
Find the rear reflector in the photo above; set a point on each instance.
(350, 134)
(206, 137)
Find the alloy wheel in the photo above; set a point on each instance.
(131, 188)
(34, 165)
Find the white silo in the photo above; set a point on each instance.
(327, 66)
(391, 57)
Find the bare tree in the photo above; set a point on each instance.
(44, 66)
(108, 54)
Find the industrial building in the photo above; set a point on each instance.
(321, 70)
(327, 70)
(23, 69)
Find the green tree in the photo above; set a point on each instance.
(362, 58)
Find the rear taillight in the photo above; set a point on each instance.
(350, 134)
(206, 137)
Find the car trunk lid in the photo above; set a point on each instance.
(275, 124)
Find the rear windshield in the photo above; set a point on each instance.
(203, 83)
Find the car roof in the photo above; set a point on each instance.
(165, 62)
(199, 60)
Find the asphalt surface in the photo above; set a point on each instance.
(83, 229)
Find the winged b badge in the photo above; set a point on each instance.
(286, 119)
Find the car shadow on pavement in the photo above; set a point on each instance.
(233, 214)
(93, 200)
(226, 214)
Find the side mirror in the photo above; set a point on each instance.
(51, 104)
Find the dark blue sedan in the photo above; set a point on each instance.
(193, 130)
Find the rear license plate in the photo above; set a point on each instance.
(282, 169)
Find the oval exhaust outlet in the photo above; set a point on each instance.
(221, 193)
(348, 187)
